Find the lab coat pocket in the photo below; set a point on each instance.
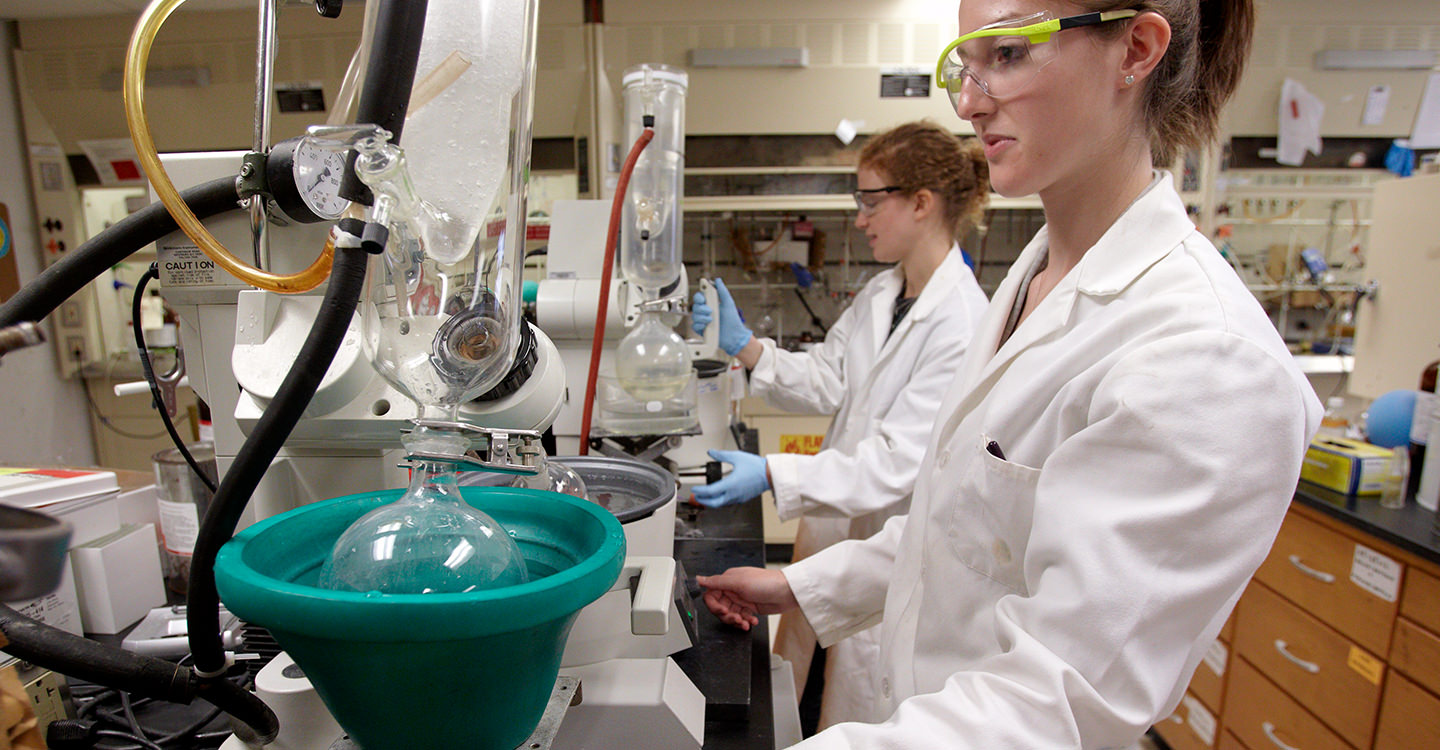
(991, 522)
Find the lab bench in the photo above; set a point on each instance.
(1335, 643)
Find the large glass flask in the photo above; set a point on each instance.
(652, 362)
(428, 541)
(650, 251)
(441, 315)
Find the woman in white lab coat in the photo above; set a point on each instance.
(1125, 434)
(880, 371)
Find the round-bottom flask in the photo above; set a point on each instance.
(428, 541)
(652, 362)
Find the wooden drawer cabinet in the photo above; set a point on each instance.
(1417, 653)
(1229, 742)
(1191, 727)
(1421, 600)
(1321, 669)
(1268, 719)
(1409, 718)
(1311, 566)
(1208, 684)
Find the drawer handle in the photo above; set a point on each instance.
(1318, 575)
(1270, 735)
(1308, 666)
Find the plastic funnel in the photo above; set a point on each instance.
(430, 671)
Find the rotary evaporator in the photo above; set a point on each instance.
(455, 613)
(649, 393)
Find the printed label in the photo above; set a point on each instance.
(179, 526)
(1366, 665)
(1200, 720)
(1216, 656)
(1375, 573)
(187, 265)
(805, 445)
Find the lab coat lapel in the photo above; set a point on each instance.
(940, 282)
(882, 310)
(1148, 230)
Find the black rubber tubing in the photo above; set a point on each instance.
(85, 263)
(389, 76)
(337, 309)
(71, 655)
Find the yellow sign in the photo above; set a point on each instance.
(1368, 666)
(805, 445)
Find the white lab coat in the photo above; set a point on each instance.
(1152, 424)
(883, 389)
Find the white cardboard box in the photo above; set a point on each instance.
(117, 578)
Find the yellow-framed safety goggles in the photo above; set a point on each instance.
(1002, 58)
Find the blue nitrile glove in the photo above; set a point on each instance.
(746, 480)
(733, 333)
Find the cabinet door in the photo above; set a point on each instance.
(1416, 653)
(1396, 330)
(1421, 601)
(1322, 670)
(1409, 717)
(1313, 567)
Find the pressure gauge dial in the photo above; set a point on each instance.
(304, 177)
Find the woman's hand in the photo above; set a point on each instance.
(740, 595)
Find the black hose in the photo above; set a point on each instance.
(337, 309)
(71, 655)
(156, 400)
(85, 263)
(74, 656)
(389, 76)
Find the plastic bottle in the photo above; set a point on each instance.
(1392, 487)
(1333, 424)
(1420, 425)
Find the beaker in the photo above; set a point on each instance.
(182, 500)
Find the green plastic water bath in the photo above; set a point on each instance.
(431, 671)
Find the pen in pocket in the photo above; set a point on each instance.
(994, 449)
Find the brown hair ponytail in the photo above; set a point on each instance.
(1209, 43)
(924, 156)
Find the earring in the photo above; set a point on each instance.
(1129, 80)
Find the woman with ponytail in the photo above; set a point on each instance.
(1124, 435)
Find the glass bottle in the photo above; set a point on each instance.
(1420, 425)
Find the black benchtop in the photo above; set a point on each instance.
(730, 666)
(1410, 528)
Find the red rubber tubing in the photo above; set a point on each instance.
(607, 269)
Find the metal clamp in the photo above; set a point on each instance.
(498, 450)
(673, 303)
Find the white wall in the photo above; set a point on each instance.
(43, 420)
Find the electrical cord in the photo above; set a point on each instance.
(104, 420)
(156, 399)
(813, 317)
